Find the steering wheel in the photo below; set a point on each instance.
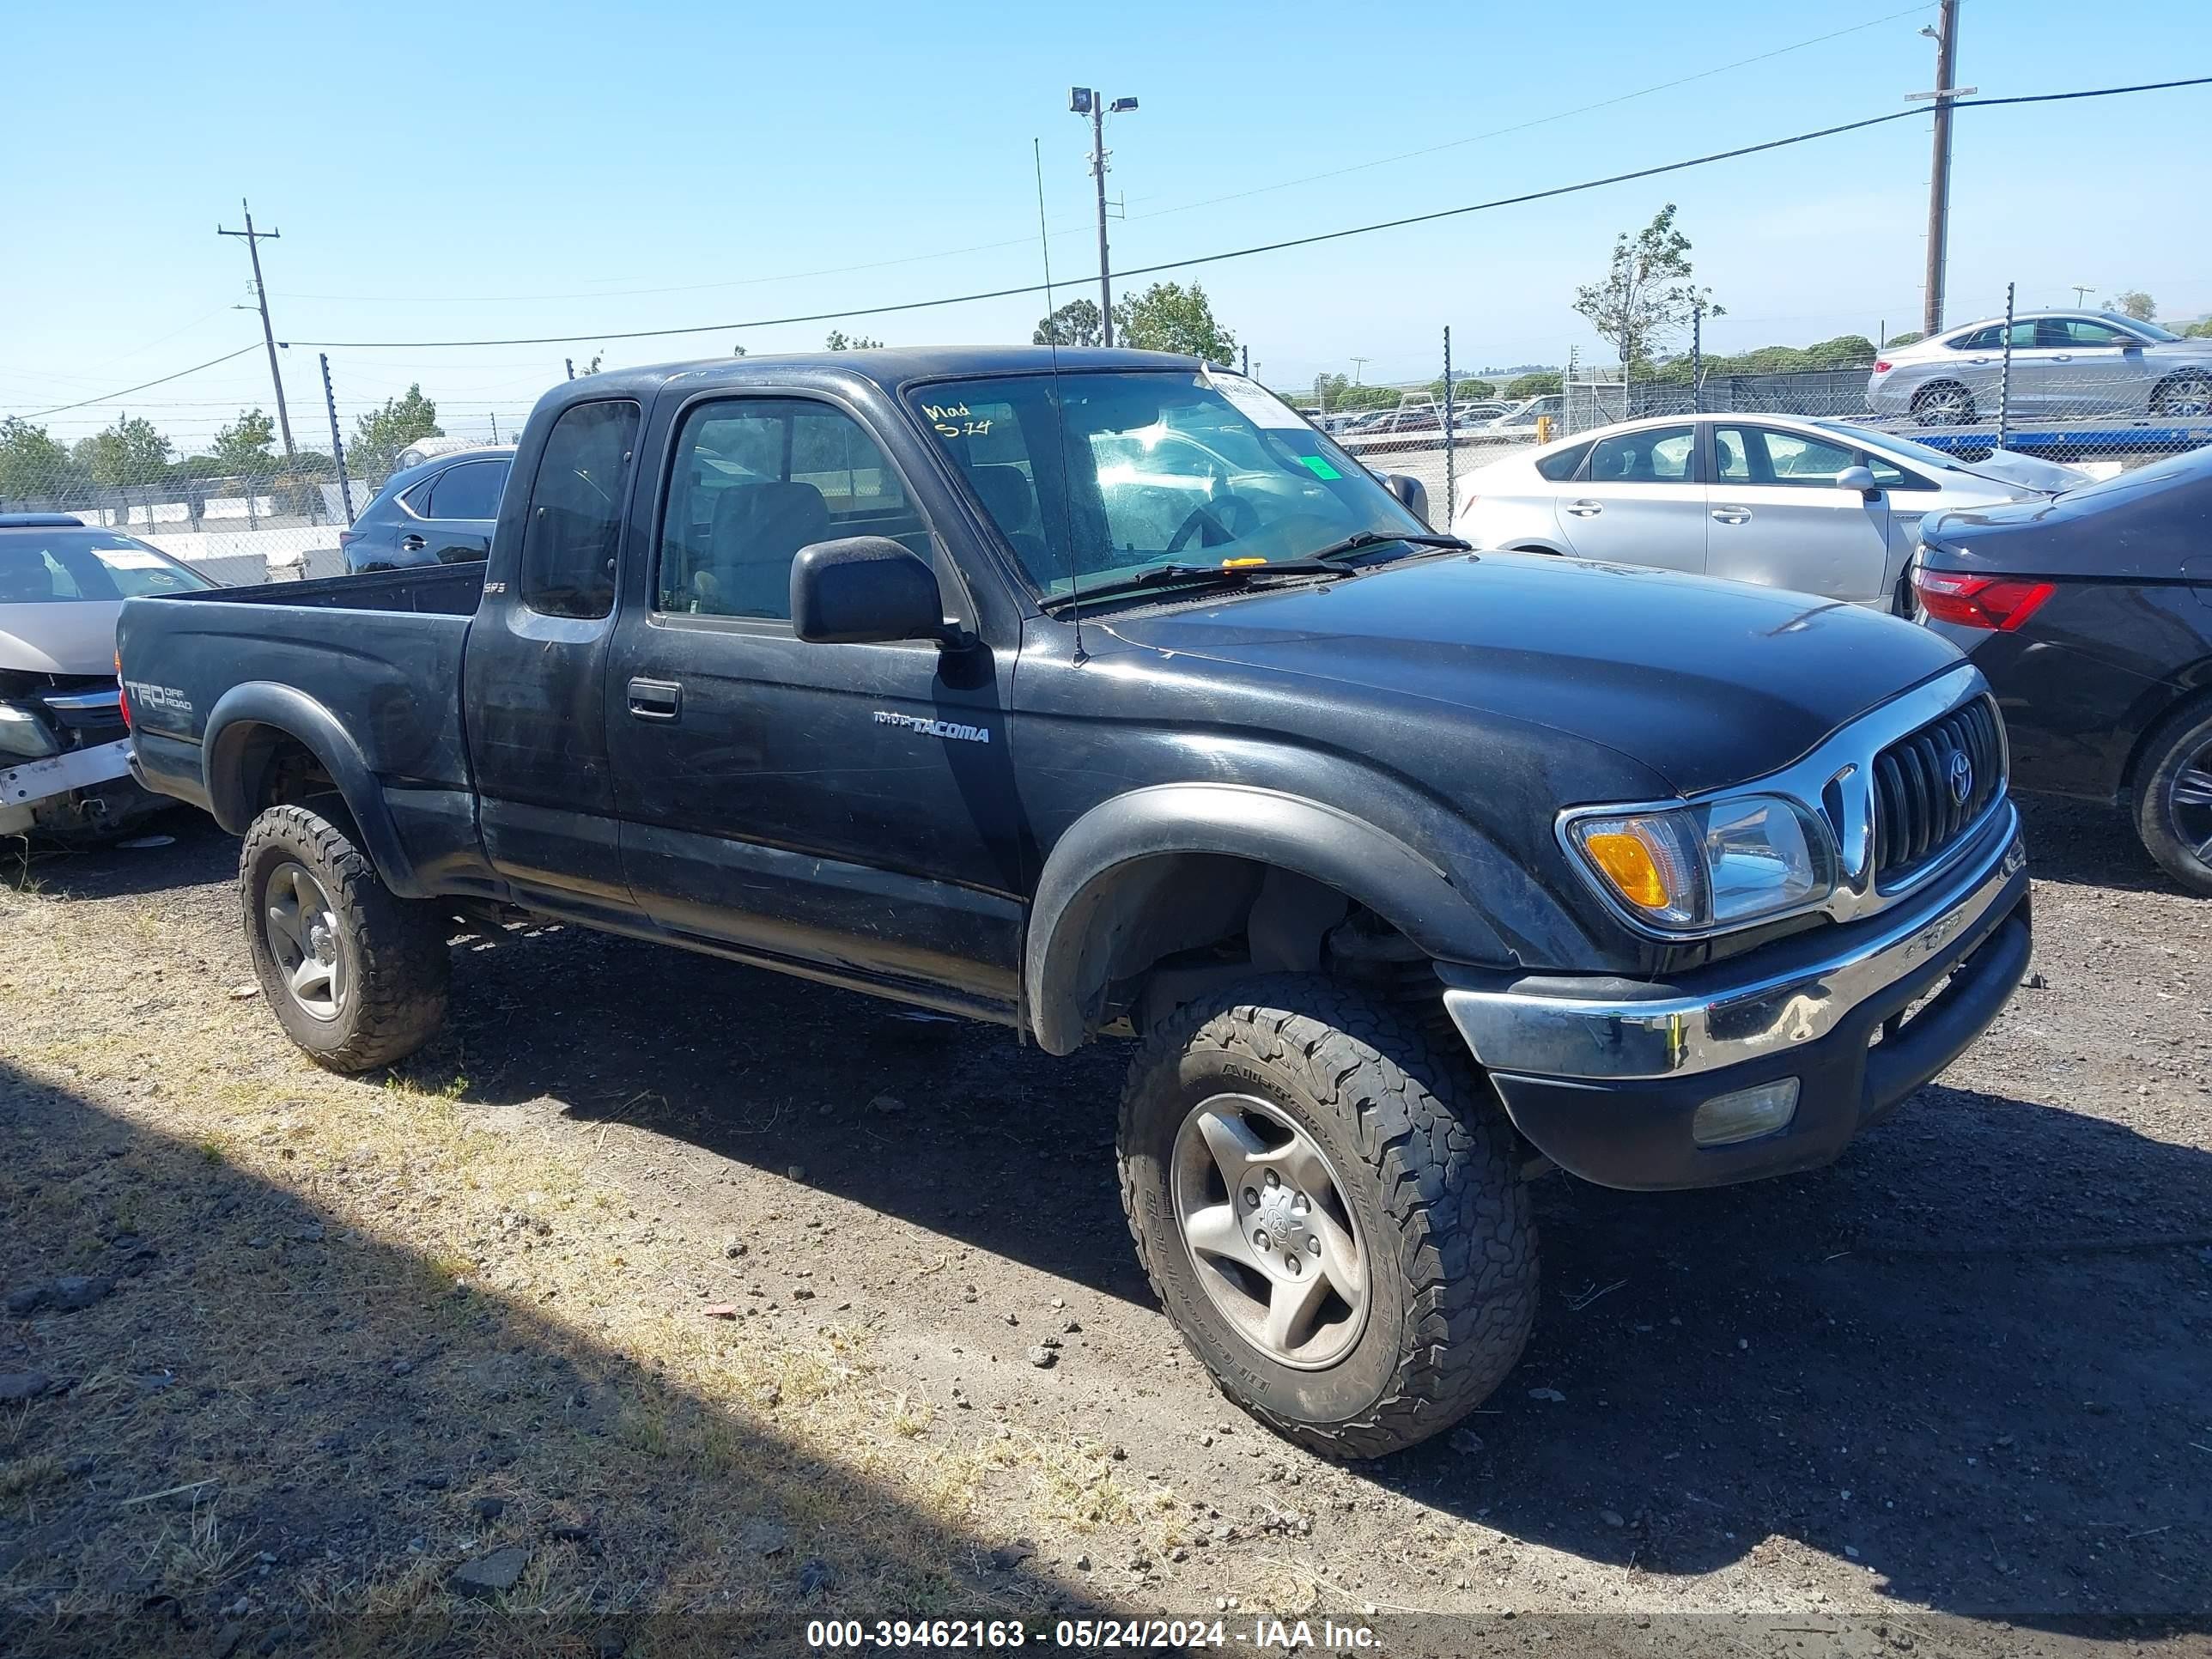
(1227, 516)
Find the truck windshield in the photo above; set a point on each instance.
(1102, 475)
(59, 566)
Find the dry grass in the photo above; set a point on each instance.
(370, 1310)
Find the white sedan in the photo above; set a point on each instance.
(1823, 507)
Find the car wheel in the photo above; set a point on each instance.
(1329, 1213)
(2185, 396)
(2173, 797)
(355, 974)
(1946, 403)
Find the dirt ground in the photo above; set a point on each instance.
(694, 1303)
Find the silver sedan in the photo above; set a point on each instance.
(2066, 365)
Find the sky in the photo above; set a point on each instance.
(493, 170)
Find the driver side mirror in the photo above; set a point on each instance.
(1860, 479)
(865, 589)
(1412, 495)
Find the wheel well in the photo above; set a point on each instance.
(2180, 374)
(2182, 708)
(275, 769)
(1920, 396)
(1171, 927)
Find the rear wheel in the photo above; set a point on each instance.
(355, 974)
(1944, 403)
(2173, 797)
(1328, 1210)
(2185, 396)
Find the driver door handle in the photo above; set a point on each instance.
(655, 700)
(1733, 514)
(413, 543)
(1585, 509)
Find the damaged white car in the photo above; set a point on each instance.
(65, 749)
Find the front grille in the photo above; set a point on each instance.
(1918, 813)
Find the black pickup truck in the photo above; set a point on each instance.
(1099, 695)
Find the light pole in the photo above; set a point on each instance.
(1085, 101)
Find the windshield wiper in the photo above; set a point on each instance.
(1180, 574)
(1367, 539)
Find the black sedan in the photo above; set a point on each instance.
(2092, 615)
(440, 512)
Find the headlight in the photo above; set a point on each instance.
(23, 735)
(1719, 864)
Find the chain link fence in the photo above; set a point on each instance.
(2068, 385)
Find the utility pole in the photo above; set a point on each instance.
(2081, 292)
(1946, 34)
(253, 240)
(1083, 100)
(1358, 364)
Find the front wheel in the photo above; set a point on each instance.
(355, 974)
(1329, 1214)
(2185, 396)
(2173, 797)
(1944, 403)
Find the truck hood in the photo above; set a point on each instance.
(1709, 683)
(60, 637)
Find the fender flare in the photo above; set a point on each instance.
(286, 709)
(1306, 837)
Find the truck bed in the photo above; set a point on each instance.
(365, 670)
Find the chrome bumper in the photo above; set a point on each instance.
(1672, 1036)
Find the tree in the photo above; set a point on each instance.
(838, 341)
(243, 447)
(380, 434)
(1912, 337)
(1647, 295)
(1075, 324)
(1169, 316)
(129, 452)
(1465, 390)
(2199, 329)
(31, 462)
(2137, 304)
(1542, 383)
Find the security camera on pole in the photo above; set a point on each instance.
(1083, 102)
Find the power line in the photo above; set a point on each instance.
(110, 397)
(1264, 247)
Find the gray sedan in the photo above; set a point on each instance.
(2065, 364)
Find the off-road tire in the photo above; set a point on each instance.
(2185, 736)
(1425, 1160)
(395, 948)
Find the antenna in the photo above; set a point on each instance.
(1059, 415)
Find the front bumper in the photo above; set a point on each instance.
(79, 792)
(1607, 1085)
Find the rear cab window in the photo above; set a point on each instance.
(576, 511)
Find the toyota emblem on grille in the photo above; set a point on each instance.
(1962, 776)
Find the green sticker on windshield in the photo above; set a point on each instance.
(1320, 468)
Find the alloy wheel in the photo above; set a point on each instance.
(300, 926)
(1276, 1243)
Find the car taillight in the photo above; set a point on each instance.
(347, 538)
(122, 697)
(2001, 603)
(1882, 368)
